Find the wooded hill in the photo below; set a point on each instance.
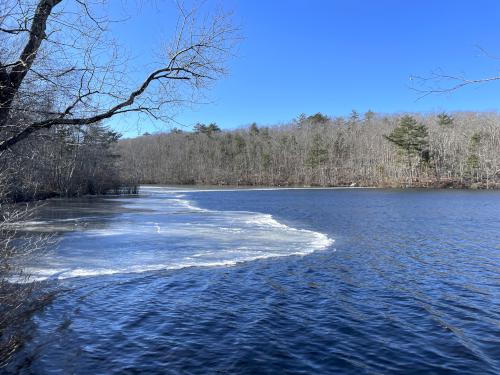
(432, 150)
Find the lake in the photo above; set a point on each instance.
(296, 281)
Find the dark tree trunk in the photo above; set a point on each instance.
(11, 81)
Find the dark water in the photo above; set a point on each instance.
(182, 283)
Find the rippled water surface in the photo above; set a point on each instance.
(270, 282)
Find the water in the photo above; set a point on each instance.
(274, 281)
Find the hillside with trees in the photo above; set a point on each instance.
(432, 150)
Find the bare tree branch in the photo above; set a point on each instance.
(442, 83)
(439, 82)
(72, 64)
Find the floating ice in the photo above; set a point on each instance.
(164, 230)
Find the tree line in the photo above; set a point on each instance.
(63, 161)
(412, 150)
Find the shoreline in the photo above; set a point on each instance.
(211, 187)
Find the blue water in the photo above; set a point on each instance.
(267, 282)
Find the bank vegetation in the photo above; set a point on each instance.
(63, 73)
(411, 150)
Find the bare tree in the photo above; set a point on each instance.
(61, 75)
(17, 300)
(61, 52)
(440, 82)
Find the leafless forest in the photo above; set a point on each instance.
(432, 150)
(62, 73)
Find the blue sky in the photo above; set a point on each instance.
(334, 56)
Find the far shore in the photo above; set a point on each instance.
(433, 186)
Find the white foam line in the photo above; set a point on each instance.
(266, 220)
(205, 190)
(260, 219)
(319, 241)
(85, 272)
(189, 205)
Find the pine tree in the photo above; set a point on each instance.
(409, 136)
(472, 162)
(254, 129)
(208, 130)
(354, 117)
(369, 115)
(445, 120)
(318, 118)
(318, 154)
(411, 139)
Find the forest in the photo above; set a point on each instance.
(64, 161)
(458, 150)
(64, 73)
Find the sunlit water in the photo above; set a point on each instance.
(164, 230)
(268, 282)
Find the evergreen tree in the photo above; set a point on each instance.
(472, 162)
(445, 120)
(369, 115)
(318, 154)
(318, 118)
(411, 139)
(354, 117)
(200, 128)
(409, 136)
(301, 119)
(254, 129)
(213, 128)
(209, 129)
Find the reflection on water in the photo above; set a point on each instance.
(410, 285)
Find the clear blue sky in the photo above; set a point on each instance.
(332, 56)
